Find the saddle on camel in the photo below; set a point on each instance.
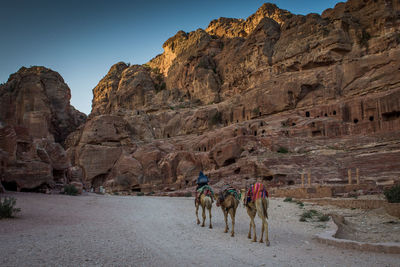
(228, 199)
(256, 202)
(204, 197)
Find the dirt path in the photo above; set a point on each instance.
(153, 231)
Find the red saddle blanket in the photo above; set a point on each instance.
(256, 191)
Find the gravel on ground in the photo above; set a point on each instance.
(107, 230)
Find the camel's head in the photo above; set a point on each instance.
(217, 195)
(243, 192)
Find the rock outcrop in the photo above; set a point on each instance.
(272, 96)
(35, 119)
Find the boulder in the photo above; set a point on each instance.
(97, 160)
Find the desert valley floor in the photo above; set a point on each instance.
(110, 230)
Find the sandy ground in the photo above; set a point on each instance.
(373, 226)
(96, 230)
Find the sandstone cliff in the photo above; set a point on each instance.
(270, 96)
(35, 118)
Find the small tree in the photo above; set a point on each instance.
(283, 150)
(70, 189)
(216, 118)
(7, 209)
(393, 194)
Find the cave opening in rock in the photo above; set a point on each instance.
(41, 188)
(316, 133)
(371, 118)
(290, 182)
(136, 189)
(267, 178)
(10, 186)
(307, 114)
(229, 161)
(356, 121)
(388, 116)
(59, 175)
(98, 181)
(237, 171)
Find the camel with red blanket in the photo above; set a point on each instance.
(256, 202)
(205, 201)
(228, 199)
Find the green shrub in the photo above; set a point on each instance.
(314, 212)
(323, 218)
(307, 214)
(393, 194)
(364, 38)
(139, 194)
(301, 204)
(256, 111)
(216, 118)
(313, 215)
(283, 150)
(397, 38)
(188, 194)
(70, 189)
(7, 209)
(288, 199)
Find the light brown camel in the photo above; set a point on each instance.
(260, 207)
(206, 201)
(229, 205)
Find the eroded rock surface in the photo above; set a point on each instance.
(271, 96)
(35, 118)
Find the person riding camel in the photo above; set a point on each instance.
(202, 180)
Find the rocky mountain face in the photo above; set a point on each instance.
(272, 97)
(35, 119)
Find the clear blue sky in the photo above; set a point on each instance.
(82, 39)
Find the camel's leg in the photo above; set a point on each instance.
(264, 216)
(226, 219)
(254, 230)
(249, 235)
(232, 213)
(210, 218)
(203, 214)
(250, 225)
(197, 213)
(266, 232)
(262, 230)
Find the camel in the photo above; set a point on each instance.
(228, 205)
(206, 200)
(260, 207)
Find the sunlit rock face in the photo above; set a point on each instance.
(323, 90)
(35, 118)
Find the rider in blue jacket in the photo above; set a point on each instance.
(202, 180)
